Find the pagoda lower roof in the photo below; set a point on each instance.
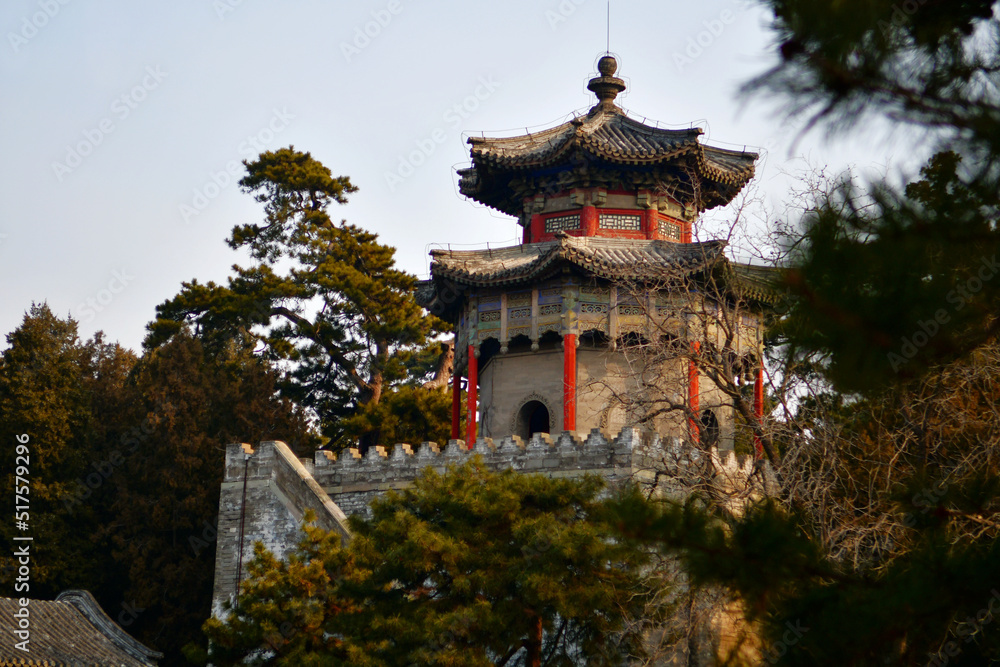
(608, 258)
(614, 260)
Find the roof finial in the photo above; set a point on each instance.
(606, 86)
(608, 51)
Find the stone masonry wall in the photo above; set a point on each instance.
(280, 487)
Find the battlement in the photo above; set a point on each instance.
(566, 454)
(266, 491)
(669, 462)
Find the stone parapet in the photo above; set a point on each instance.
(266, 491)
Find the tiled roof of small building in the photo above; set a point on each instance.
(612, 259)
(71, 631)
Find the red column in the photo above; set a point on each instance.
(588, 221)
(758, 410)
(473, 395)
(693, 391)
(456, 404)
(537, 228)
(569, 382)
(650, 223)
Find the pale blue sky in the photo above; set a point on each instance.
(120, 118)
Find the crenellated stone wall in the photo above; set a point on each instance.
(266, 491)
(264, 497)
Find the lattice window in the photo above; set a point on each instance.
(562, 222)
(515, 299)
(492, 316)
(629, 305)
(621, 221)
(519, 313)
(552, 309)
(670, 230)
(593, 308)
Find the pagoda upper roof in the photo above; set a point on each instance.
(608, 133)
(612, 140)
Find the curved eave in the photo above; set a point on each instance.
(754, 283)
(566, 252)
(611, 136)
(730, 175)
(728, 171)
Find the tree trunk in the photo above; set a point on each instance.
(534, 644)
(445, 368)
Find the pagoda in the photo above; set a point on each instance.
(606, 203)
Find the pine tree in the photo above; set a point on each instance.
(882, 545)
(326, 297)
(60, 393)
(465, 568)
(182, 407)
(890, 282)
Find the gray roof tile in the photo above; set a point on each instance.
(608, 258)
(70, 631)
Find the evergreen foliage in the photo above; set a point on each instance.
(465, 568)
(891, 281)
(882, 546)
(63, 393)
(187, 405)
(324, 297)
(124, 459)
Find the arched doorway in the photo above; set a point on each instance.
(709, 429)
(532, 418)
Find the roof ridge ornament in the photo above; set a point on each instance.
(607, 86)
